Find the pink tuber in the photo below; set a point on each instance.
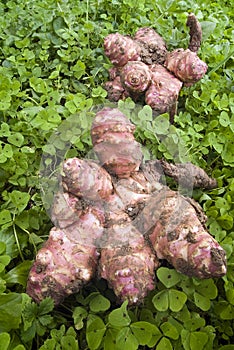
(114, 143)
(120, 225)
(162, 95)
(135, 59)
(186, 65)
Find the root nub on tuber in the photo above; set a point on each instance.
(116, 220)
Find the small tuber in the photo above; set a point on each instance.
(186, 65)
(114, 143)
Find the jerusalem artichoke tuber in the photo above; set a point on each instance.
(128, 264)
(153, 47)
(114, 143)
(61, 267)
(120, 49)
(85, 178)
(115, 90)
(135, 77)
(120, 227)
(186, 65)
(163, 93)
(133, 58)
(181, 239)
(195, 33)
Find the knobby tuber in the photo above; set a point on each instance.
(128, 263)
(116, 220)
(180, 237)
(114, 143)
(120, 49)
(152, 46)
(67, 260)
(86, 179)
(164, 90)
(135, 77)
(146, 71)
(185, 65)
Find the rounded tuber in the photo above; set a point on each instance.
(120, 49)
(135, 77)
(163, 93)
(153, 46)
(186, 65)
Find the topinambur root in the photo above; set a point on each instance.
(128, 264)
(114, 143)
(120, 49)
(163, 93)
(186, 65)
(147, 72)
(120, 222)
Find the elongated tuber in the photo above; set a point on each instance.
(195, 33)
(181, 239)
(114, 143)
(86, 179)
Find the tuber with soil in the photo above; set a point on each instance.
(115, 219)
(147, 72)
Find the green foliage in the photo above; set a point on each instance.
(51, 79)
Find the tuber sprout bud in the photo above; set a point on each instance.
(135, 76)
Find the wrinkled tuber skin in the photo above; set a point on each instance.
(135, 77)
(163, 93)
(114, 143)
(186, 65)
(153, 47)
(62, 267)
(128, 268)
(171, 223)
(120, 49)
(85, 178)
(188, 175)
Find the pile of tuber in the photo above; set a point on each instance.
(146, 71)
(115, 219)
